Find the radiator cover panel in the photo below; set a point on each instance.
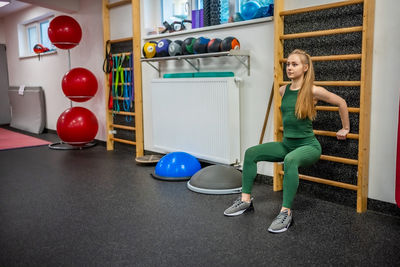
(199, 116)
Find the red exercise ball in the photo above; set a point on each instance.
(79, 84)
(64, 32)
(77, 126)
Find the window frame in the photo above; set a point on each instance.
(24, 37)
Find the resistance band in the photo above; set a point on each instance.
(127, 93)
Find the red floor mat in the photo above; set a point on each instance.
(11, 140)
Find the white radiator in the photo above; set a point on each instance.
(199, 116)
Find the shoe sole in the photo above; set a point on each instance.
(281, 230)
(249, 209)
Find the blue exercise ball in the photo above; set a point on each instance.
(176, 166)
(249, 10)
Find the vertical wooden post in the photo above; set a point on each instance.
(278, 78)
(106, 36)
(137, 66)
(365, 104)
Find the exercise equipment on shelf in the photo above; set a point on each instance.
(200, 46)
(230, 43)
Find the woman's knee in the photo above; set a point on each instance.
(250, 153)
(291, 160)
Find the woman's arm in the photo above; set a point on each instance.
(322, 94)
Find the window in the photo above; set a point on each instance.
(33, 32)
(178, 10)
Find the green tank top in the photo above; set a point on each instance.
(292, 126)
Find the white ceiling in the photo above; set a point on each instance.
(64, 6)
(14, 6)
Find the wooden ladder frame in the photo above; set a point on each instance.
(138, 103)
(365, 92)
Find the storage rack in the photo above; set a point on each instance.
(243, 56)
(137, 114)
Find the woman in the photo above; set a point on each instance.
(299, 147)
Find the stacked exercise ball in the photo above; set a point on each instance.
(79, 84)
(76, 126)
(64, 32)
(189, 46)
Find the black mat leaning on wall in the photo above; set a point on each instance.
(5, 116)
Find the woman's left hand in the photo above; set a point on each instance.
(341, 134)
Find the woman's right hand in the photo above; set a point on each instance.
(342, 134)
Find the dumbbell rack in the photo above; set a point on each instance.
(243, 56)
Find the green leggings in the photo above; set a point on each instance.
(294, 152)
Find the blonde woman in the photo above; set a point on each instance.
(299, 147)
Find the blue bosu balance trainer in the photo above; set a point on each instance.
(176, 166)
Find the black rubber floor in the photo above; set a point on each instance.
(97, 208)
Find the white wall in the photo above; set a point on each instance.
(2, 34)
(49, 71)
(385, 102)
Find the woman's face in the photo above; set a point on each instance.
(294, 67)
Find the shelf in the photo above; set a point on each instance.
(238, 54)
(207, 28)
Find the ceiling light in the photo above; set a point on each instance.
(4, 3)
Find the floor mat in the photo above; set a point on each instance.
(12, 140)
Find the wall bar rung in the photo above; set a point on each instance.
(330, 58)
(330, 83)
(325, 181)
(332, 108)
(328, 133)
(333, 134)
(122, 54)
(320, 7)
(119, 3)
(121, 40)
(124, 127)
(321, 33)
(339, 159)
(123, 141)
(123, 113)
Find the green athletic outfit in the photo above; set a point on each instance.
(299, 148)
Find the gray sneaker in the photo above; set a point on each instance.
(238, 207)
(281, 222)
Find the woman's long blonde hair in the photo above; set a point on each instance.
(305, 105)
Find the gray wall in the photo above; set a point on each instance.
(5, 117)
